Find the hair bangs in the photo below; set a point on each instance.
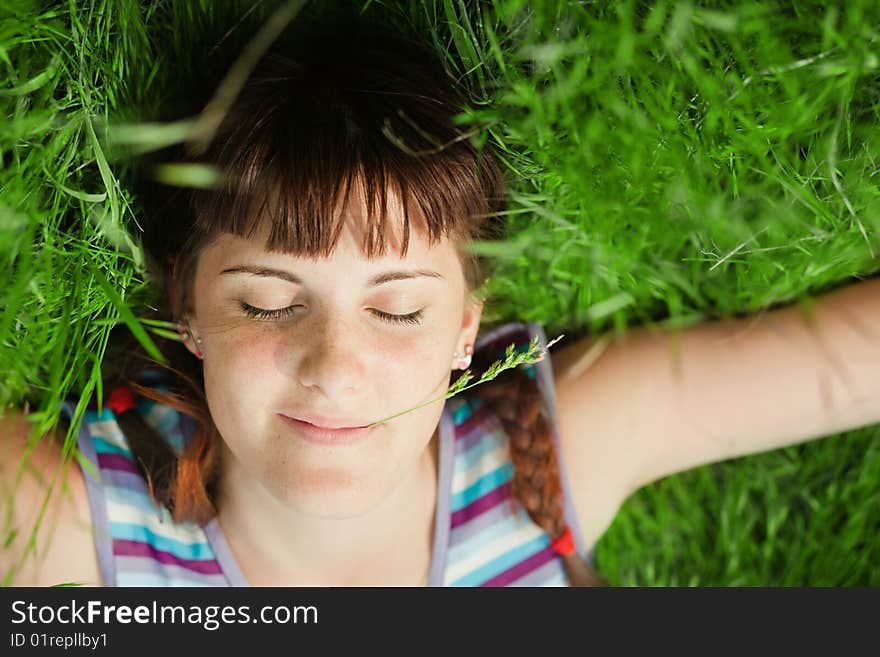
(304, 142)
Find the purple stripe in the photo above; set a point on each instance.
(476, 525)
(480, 505)
(124, 480)
(473, 421)
(546, 573)
(172, 574)
(139, 549)
(490, 424)
(116, 462)
(524, 567)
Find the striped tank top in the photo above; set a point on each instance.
(480, 537)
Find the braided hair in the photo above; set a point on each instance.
(516, 399)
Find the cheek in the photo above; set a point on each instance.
(240, 365)
(400, 368)
(418, 360)
(239, 379)
(411, 380)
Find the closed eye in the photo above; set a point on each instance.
(411, 318)
(260, 313)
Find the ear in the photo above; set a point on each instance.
(470, 324)
(187, 335)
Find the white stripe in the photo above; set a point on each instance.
(488, 462)
(525, 533)
(109, 431)
(156, 415)
(150, 579)
(144, 571)
(559, 580)
(183, 532)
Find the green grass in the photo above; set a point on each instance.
(670, 162)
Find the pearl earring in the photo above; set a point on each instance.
(464, 360)
(183, 329)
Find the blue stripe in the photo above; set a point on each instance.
(462, 413)
(104, 447)
(103, 416)
(503, 562)
(130, 532)
(481, 486)
(169, 429)
(167, 420)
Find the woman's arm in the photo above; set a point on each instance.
(657, 402)
(64, 548)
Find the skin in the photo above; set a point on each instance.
(295, 513)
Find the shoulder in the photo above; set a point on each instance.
(47, 492)
(592, 422)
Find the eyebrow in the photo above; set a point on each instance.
(378, 279)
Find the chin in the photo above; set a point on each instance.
(329, 493)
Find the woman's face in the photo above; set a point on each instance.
(333, 356)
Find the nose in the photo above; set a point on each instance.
(332, 358)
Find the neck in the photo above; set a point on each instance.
(274, 545)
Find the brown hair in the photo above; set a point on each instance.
(309, 125)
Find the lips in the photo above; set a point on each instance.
(323, 436)
(323, 422)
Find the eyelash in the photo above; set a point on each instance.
(259, 313)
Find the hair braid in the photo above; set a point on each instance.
(518, 403)
(185, 483)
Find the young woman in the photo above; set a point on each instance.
(326, 285)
